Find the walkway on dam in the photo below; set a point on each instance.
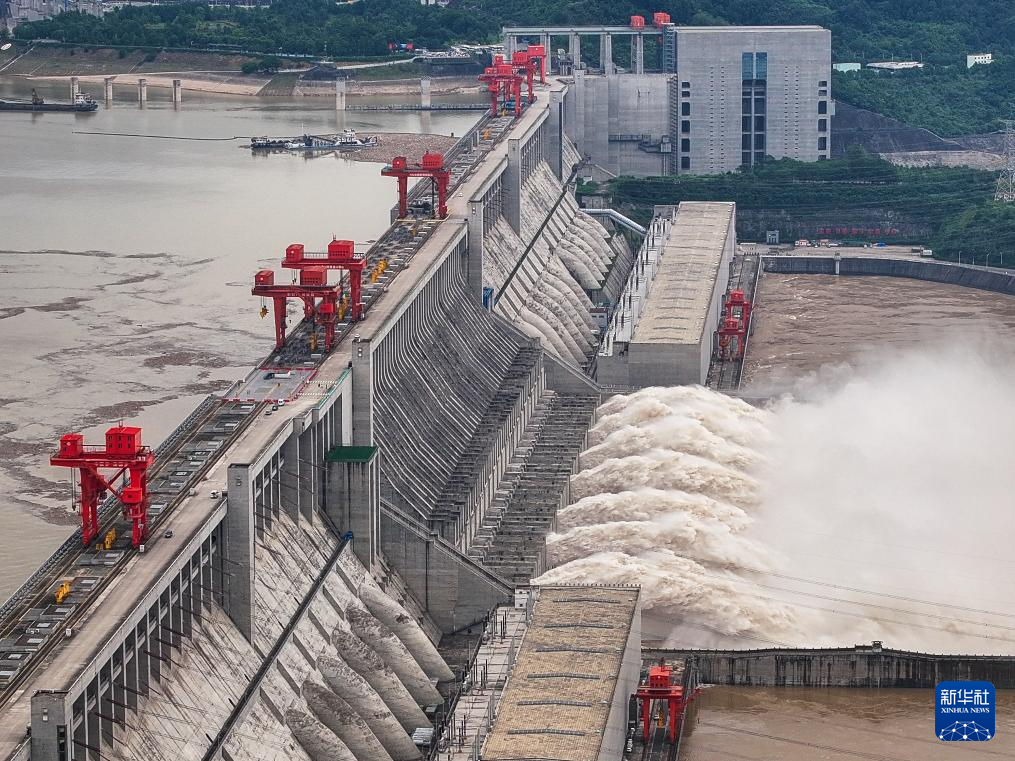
(475, 710)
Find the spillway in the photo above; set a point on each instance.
(350, 685)
(338, 716)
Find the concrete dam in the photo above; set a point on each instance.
(305, 569)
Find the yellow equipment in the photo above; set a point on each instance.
(62, 591)
(313, 341)
(378, 270)
(264, 311)
(110, 537)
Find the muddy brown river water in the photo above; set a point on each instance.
(803, 724)
(806, 322)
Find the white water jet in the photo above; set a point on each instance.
(874, 506)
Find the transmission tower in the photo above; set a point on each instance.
(1006, 179)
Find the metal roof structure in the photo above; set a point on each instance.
(559, 696)
(677, 303)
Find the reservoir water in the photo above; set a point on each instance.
(126, 265)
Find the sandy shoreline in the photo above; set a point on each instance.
(226, 85)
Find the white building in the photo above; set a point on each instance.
(979, 58)
(895, 65)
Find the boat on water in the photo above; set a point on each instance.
(82, 103)
(346, 140)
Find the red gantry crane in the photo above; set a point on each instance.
(503, 83)
(124, 453)
(535, 59)
(320, 300)
(660, 687)
(525, 66)
(735, 324)
(431, 166)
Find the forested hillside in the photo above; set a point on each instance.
(952, 209)
(944, 97)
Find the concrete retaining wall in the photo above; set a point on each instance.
(455, 591)
(918, 269)
(860, 666)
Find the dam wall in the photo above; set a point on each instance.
(457, 415)
(983, 278)
(859, 666)
(222, 656)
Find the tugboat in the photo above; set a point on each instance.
(82, 104)
(347, 140)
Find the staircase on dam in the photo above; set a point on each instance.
(512, 539)
(519, 383)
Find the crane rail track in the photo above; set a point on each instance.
(745, 277)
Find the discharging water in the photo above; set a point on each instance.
(126, 268)
(871, 502)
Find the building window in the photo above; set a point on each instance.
(685, 127)
(685, 162)
(823, 83)
(745, 158)
(822, 157)
(685, 109)
(745, 106)
(685, 145)
(759, 123)
(747, 66)
(745, 142)
(761, 66)
(745, 123)
(822, 125)
(822, 106)
(759, 105)
(822, 143)
(759, 142)
(686, 85)
(759, 157)
(685, 93)
(822, 93)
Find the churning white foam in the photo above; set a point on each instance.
(875, 505)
